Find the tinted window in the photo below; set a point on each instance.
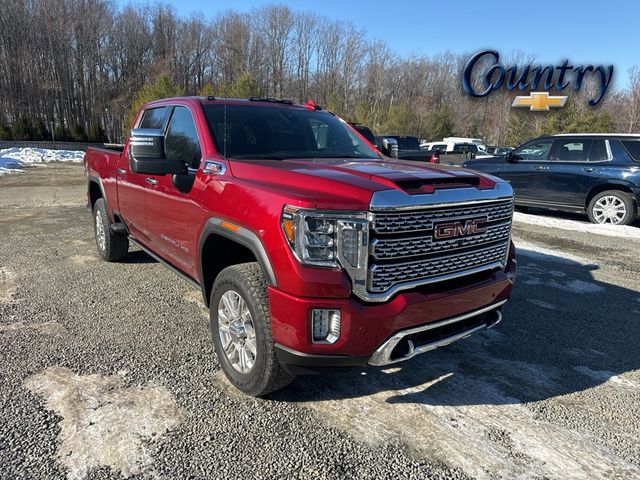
(598, 151)
(633, 147)
(260, 131)
(464, 148)
(406, 143)
(153, 117)
(181, 142)
(366, 133)
(439, 147)
(535, 150)
(572, 149)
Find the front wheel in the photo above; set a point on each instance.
(241, 328)
(612, 207)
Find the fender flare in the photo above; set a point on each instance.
(94, 179)
(244, 237)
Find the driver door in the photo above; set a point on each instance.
(172, 211)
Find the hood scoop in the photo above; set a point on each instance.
(430, 185)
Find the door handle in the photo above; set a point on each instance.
(541, 167)
(151, 181)
(121, 171)
(588, 169)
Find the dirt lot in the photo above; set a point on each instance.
(108, 370)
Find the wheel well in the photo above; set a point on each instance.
(94, 193)
(603, 188)
(218, 253)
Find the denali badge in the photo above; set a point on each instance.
(458, 229)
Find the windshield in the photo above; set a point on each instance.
(270, 132)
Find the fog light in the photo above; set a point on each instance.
(325, 325)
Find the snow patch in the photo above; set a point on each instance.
(104, 423)
(580, 286)
(607, 377)
(464, 420)
(14, 159)
(541, 303)
(48, 328)
(618, 231)
(7, 285)
(538, 252)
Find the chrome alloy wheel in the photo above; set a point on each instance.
(236, 331)
(609, 209)
(100, 233)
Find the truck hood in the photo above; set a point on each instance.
(327, 180)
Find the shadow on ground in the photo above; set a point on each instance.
(563, 332)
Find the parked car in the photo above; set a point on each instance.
(311, 250)
(594, 173)
(476, 141)
(494, 150)
(452, 153)
(405, 147)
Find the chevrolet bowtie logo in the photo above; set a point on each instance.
(539, 101)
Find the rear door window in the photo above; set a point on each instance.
(598, 151)
(153, 117)
(572, 149)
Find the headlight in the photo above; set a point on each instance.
(326, 239)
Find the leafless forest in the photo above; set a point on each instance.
(76, 68)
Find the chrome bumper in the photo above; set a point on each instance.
(383, 355)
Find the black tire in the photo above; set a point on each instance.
(623, 197)
(266, 375)
(115, 245)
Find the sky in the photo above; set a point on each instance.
(585, 32)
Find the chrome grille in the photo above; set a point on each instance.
(383, 249)
(383, 277)
(403, 249)
(424, 219)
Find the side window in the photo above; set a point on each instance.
(598, 151)
(572, 149)
(153, 117)
(632, 147)
(181, 141)
(535, 150)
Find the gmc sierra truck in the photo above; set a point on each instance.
(313, 251)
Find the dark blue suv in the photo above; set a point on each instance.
(594, 173)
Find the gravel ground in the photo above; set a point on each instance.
(108, 370)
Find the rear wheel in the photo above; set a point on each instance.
(112, 246)
(241, 329)
(612, 207)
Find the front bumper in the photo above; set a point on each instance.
(380, 334)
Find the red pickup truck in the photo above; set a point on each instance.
(313, 251)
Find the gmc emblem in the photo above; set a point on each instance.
(458, 229)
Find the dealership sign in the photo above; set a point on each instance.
(486, 66)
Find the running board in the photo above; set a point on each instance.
(175, 270)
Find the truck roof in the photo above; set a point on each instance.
(235, 101)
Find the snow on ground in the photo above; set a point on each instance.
(15, 159)
(617, 231)
(535, 251)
